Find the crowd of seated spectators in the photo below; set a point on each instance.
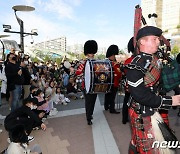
(40, 85)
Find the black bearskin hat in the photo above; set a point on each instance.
(18, 135)
(112, 50)
(130, 45)
(90, 47)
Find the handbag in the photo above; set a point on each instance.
(171, 75)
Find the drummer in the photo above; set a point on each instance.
(109, 100)
(90, 48)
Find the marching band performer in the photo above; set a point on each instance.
(130, 48)
(109, 100)
(90, 49)
(143, 75)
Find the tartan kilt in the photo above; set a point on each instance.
(142, 136)
(171, 76)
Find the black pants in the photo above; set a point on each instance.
(109, 100)
(28, 124)
(125, 107)
(90, 100)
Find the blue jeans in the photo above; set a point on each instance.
(16, 95)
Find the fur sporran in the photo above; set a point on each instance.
(160, 133)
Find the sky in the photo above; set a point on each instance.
(106, 21)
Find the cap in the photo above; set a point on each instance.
(147, 31)
(90, 47)
(112, 50)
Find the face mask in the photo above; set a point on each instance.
(42, 95)
(34, 107)
(14, 58)
(35, 78)
(26, 62)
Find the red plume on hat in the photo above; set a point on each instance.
(90, 47)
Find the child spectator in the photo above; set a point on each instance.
(42, 103)
(50, 96)
(60, 98)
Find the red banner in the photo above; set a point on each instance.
(137, 22)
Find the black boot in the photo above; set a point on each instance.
(89, 122)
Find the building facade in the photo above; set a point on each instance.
(168, 12)
(58, 44)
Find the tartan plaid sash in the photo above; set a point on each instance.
(171, 75)
(153, 73)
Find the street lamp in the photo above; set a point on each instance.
(3, 48)
(21, 23)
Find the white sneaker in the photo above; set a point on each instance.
(30, 138)
(53, 112)
(2, 117)
(54, 109)
(67, 100)
(81, 96)
(64, 103)
(43, 120)
(1, 130)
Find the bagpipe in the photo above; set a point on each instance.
(170, 75)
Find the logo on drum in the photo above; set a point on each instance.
(102, 78)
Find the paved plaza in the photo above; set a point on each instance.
(68, 132)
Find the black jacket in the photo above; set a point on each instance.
(23, 112)
(13, 78)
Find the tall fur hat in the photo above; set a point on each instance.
(112, 50)
(90, 47)
(130, 45)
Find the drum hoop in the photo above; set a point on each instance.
(112, 77)
(92, 75)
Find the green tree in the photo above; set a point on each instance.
(35, 59)
(58, 61)
(47, 58)
(175, 50)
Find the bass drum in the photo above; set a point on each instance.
(98, 76)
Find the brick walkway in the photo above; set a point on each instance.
(68, 132)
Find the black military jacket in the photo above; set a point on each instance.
(143, 89)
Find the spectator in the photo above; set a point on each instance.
(27, 78)
(24, 116)
(72, 91)
(50, 96)
(60, 98)
(19, 142)
(15, 80)
(42, 103)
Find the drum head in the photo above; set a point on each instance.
(87, 76)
